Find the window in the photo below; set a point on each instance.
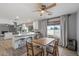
(53, 30)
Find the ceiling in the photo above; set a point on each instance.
(9, 11)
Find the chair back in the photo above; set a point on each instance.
(29, 46)
(55, 48)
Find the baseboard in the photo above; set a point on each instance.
(78, 53)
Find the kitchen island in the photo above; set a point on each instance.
(19, 40)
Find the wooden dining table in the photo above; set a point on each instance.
(43, 42)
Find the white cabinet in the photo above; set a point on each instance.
(19, 41)
(8, 35)
(35, 25)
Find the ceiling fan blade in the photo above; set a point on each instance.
(36, 10)
(49, 13)
(50, 6)
(40, 5)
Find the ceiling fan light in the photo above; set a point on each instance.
(42, 11)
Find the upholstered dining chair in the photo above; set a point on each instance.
(53, 49)
(33, 49)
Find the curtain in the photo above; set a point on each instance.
(43, 27)
(64, 29)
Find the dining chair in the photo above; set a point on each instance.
(53, 49)
(33, 49)
(38, 35)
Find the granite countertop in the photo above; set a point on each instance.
(24, 34)
(19, 36)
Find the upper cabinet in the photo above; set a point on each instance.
(35, 25)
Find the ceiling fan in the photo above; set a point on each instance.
(44, 8)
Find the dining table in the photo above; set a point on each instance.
(43, 42)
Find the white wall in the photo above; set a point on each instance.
(72, 26)
(77, 32)
(5, 21)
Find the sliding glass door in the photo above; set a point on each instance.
(53, 31)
